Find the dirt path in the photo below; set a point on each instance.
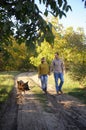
(63, 112)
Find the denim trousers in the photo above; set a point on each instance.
(44, 80)
(58, 76)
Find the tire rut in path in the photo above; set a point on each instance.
(32, 116)
(71, 118)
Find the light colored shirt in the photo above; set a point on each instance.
(57, 66)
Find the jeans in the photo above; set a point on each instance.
(44, 79)
(56, 77)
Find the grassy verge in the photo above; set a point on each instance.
(79, 93)
(6, 84)
(71, 87)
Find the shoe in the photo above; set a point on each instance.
(58, 93)
(45, 90)
(61, 91)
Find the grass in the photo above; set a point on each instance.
(71, 87)
(6, 84)
(80, 93)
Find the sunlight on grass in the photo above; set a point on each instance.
(71, 87)
(69, 84)
(6, 84)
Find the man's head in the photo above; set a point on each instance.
(56, 55)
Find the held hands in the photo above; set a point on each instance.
(39, 76)
(48, 73)
(63, 72)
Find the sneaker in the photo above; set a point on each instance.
(61, 91)
(45, 90)
(58, 93)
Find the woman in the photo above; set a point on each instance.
(43, 71)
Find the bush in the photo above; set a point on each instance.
(78, 72)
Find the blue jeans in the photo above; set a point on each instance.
(56, 77)
(44, 79)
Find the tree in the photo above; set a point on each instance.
(75, 54)
(15, 57)
(23, 19)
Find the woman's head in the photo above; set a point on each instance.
(43, 59)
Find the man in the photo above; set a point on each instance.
(58, 69)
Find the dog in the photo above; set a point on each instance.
(22, 87)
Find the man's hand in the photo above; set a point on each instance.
(39, 76)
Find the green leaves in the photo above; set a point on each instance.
(25, 18)
(46, 12)
(60, 3)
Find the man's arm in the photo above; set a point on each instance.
(63, 67)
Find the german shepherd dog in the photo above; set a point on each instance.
(22, 87)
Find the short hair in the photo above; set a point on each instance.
(57, 53)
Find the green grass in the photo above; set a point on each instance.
(71, 87)
(69, 84)
(80, 93)
(6, 84)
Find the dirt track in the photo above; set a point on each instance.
(63, 112)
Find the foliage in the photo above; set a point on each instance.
(23, 19)
(15, 56)
(43, 50)
(78, 72)
(76, 56)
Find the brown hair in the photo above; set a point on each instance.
(42, 59)
(57, 53)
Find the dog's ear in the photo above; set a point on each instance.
(17, 82)
(27, 82)
(26, 86)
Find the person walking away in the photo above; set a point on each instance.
(57, 66)
(43, 71)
